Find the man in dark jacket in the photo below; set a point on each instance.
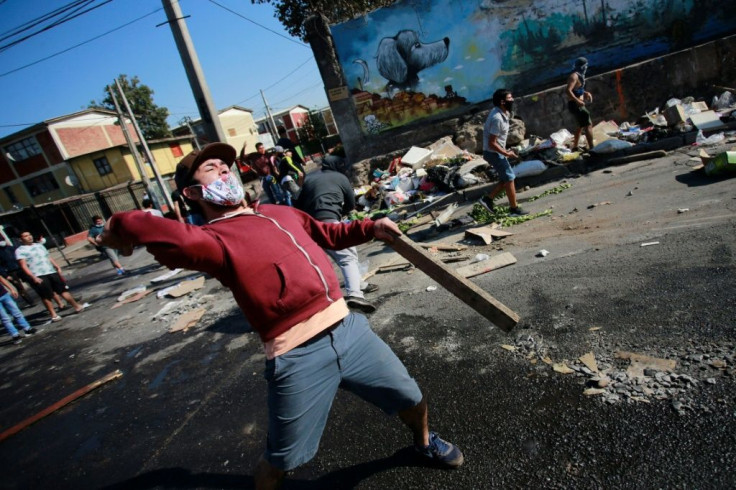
(327, 196)
(10, 270)
(270, 259)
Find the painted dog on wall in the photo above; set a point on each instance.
(400, 58)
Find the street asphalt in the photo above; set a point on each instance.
(658, 410)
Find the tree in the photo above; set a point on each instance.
(313, 132)
(293, 13)
(151, 118)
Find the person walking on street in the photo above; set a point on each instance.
(98, 225)
(327, 196)
(11, 271)
(577, 97)
(9, 310)
(266, 169)
(44, 274)
(495, 132)
(271, 259)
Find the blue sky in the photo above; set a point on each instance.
(238, 58)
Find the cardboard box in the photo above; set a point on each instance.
(416, 157)
(722, 163)
(706, 120)
(675, 115)
(701, 106)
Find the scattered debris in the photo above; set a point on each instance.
(131, 292)
(131, 299)
(492, 263)
(185, 287)
(187, 320)
(594, 329)
(487, 233)
(683, 210)
(444, 246)
(508, 347)
(431, 288)
(647, 244)
(542, 253)
(166, 276)
(589, 361)
(561, 367)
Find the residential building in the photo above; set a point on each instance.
(34, 162)
(291, 119)
(237, 123)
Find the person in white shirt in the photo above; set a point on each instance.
(148, 208)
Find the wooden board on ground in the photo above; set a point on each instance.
(453, 247)
(186, 287)
(187, 320)
(486, 233)
(491, 264)
(466, 291)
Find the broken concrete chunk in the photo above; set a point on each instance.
(589, 361)
(562, 368)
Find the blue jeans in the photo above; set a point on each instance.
(8, 308)
(273, 189)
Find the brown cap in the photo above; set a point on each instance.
(189, 164)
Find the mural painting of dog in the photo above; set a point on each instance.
(400, 58)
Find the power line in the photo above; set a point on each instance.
(299, 93)
(51, 26)
(277, 81)
(259, 25)
(34, 22)
(80, 44)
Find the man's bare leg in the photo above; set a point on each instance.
(69, 299)
(510, 188)
(267, 477)
(589, 136)
(576, 139)
(49, 307)
(416, 418)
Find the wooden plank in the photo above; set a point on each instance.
(466, 291)
(493, 263)
(453, 247)
(61, 403)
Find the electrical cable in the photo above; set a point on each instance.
(80, 44)
(259, 25)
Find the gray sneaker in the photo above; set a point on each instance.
(517, 211)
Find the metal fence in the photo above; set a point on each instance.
(60, 219)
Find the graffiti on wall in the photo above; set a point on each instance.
(422, 58)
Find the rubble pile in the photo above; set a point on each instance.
(424, 174)
(619, 376)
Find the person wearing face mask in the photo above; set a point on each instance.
(271, 259)
(577, 97)
(495, 132)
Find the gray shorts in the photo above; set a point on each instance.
(303, 382)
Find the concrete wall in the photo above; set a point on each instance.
(620, 95)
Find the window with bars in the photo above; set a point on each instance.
(41, 184)
(23, 149)
(102, 165)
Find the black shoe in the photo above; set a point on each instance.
(517, 212)
(360, 304)
(487, 203)
(16, 339)
(369, 288)
(31, 331)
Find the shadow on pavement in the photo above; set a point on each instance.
(349, 477)
(698, 178)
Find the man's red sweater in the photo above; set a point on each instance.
(271, 260)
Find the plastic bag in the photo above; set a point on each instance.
(559, 137)
(701, 140)
(725, 101)
(609, 146)
(529, 168)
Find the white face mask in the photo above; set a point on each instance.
(225, 191)
(3, 244)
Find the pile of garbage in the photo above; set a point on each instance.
(424, 174)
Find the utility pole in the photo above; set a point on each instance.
(129, 140)
(207, 111)
(188, 121)
(270, 118)
(149, 156)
